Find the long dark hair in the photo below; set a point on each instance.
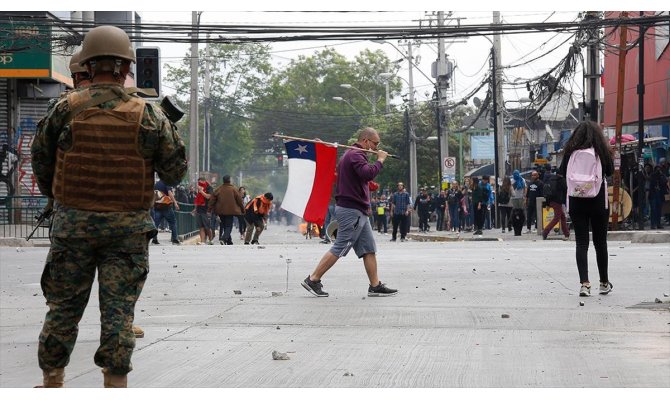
(588, 134)
(506, 185)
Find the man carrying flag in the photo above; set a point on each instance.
(352, 202)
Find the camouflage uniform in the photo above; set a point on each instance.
(113, 243)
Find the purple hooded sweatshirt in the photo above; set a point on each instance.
(353, 174)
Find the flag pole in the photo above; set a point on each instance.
(329, 143)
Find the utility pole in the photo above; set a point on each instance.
(640, 121)
(413, 177)
(592, 107)
(619, 124)
(441, 85)
(207, 132)
(498, 115)
(193, 134)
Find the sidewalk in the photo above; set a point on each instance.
(633, 236)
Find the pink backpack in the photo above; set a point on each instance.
(584, 175)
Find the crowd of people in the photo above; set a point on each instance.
(225, 208)
(466, 207)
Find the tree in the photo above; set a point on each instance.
(238, 76)
(299, 99)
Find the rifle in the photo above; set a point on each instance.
(44, 215)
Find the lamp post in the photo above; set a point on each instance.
(349, 86)
(386, 77)
(342, 99)
(496, 83)
(413, 177)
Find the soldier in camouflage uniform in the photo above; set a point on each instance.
(95, 154)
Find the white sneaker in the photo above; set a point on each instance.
(605, 287)
(585, 291)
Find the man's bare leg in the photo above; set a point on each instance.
(328, 260)
(370, 262)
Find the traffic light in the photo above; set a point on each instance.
(148, 74)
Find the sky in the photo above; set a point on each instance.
(469, 55)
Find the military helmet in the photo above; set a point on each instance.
(106, 41)
(75, 67)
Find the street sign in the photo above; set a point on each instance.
(449, 166)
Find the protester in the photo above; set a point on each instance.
(658, 188)
(164, 210)
(256, 214)
(555, 198)
(423, 207)
(480, 197)
(505, 204)
(382, 210)
(202, 217)
(353, 199)
(589, 211)
(226, 202)
(401, 206)
(532, 193)
(241, 222)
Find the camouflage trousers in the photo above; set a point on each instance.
(122, 264)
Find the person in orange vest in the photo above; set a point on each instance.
(256, 215)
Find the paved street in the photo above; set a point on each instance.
(447, 327)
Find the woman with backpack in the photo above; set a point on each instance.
(505, 204)
(586, 162)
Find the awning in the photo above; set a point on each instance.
(487, 169)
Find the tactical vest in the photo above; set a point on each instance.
(104, 170)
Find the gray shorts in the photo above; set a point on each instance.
(354, 231)
(202, 221)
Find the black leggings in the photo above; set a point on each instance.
(506, 217)
(479, 217)
(598, 219)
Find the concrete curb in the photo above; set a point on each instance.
(490, 235)
(15, 242)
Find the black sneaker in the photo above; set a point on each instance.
(381, 291)
(314, 287)
(176, 242)
(254, 242)
(154, 241)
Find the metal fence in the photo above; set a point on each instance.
(186, 224)
(18, 216)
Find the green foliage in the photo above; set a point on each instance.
(238, 73)
(249, 101)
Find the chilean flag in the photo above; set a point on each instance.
(311, 173)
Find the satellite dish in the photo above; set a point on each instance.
(478, 103)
